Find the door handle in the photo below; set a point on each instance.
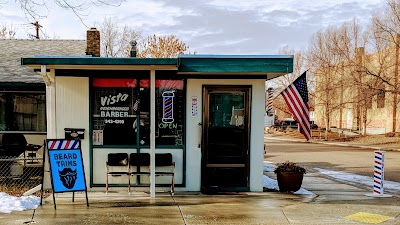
(200, 134)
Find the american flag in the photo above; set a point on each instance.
(136, 105)
(296, 98)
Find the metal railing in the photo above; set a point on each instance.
(20, 174)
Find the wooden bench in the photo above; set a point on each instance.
(138, 160)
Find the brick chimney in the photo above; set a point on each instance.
(93, 42)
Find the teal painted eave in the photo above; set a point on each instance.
(49, 60)
(235, 64)
(263, 64)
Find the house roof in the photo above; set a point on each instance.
(12, 50)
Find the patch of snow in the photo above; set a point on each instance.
(365, 180)
(10, 203)
(303, 191)
(270, 183)
(268, 167)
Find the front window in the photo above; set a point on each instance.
(22, 112)
(121, 112)
(117, 105)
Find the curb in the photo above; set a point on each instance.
(333, 143)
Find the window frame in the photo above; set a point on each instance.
(380, 99)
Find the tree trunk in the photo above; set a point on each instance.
(396, 77)
(364, 127)
(327, 122)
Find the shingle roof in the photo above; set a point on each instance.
(12, 50)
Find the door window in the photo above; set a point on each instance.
(226, 109)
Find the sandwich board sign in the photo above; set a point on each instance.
(66, 166)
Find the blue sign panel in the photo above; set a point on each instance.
(67, 170)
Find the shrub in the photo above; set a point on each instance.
(289, 167)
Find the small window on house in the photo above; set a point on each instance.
(380, 101)
(368, 102)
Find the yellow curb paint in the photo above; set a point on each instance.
(368, 217)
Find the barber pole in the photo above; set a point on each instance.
(168, 106)
(270, 101)
(379, 174)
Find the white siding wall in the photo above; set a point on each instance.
(72, 111)
(193, 132)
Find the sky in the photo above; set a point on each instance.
(206, 26)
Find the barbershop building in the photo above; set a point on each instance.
(206, 110)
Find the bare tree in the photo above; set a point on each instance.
(386, 23)
(323, 60)
(115, 39)
(168, 46)
(36, 9)
(280, 83)
(299, 66)
(7, 32)
(353, 67)
(384, 37)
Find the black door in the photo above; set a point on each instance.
(225, 149)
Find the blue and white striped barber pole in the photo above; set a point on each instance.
(379, 174)
(270, 101)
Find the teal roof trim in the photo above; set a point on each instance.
(242, 64)
(208, 56)
(186, 63)
(48, 60)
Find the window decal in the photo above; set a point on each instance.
(168, 107)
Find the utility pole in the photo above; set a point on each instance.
(37, 27)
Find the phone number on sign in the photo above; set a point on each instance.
(114, 121)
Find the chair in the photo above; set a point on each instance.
(138, 160)
(117, 165)
(165, 160)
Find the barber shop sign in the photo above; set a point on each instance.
(66, 165)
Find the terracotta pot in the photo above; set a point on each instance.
(289, 181)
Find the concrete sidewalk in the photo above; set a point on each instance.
(331, 203)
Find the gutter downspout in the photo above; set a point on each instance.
(50, 101)
(50, 117)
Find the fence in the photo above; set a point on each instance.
(20, 174)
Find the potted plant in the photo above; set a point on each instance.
(289, 176)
